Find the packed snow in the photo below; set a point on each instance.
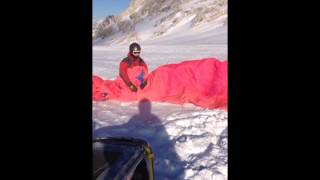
(189, 142)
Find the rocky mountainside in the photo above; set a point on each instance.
(154, 20)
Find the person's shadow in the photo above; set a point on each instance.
(147, 126)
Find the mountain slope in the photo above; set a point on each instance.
(150, 21)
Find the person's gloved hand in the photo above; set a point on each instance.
(133, 88)
(143, 84)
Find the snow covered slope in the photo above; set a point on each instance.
(188, 142)
(152, 22)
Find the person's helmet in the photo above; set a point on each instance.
(134, 47)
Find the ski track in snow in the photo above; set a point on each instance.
(188, 142)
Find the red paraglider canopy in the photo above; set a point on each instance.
(201, 82)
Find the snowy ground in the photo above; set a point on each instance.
(106, 60)
(188, 142)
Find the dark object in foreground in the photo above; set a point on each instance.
(122, 158)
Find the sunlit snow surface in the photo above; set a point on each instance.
(188, 142)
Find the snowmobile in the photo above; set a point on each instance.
(122, 158)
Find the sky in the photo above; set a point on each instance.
(103, 8)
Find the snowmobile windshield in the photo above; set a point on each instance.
(110, 159)
(103, 158)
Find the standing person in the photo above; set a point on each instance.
(133, 70)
